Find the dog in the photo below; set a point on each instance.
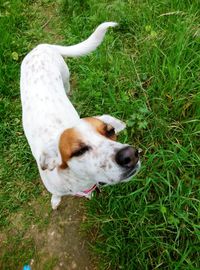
(73, 155)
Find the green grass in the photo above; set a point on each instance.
(146, 72)
(22, 196)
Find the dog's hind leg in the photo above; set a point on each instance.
(65, 77)
(65, 74)
(55, 201)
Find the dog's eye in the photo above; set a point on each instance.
(110, 131)
(81, 151)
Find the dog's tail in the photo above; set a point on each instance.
(87, 45)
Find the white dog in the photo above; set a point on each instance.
(73, 155)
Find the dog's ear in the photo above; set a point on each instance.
(49, 158)
(110, 120)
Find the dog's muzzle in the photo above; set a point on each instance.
(128, 159)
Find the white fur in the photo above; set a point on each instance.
(47, 112)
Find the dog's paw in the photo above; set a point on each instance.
(55, 201)
(48, 159)
(47, 162)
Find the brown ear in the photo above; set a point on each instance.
(69, 142)
(97, 124)
(102, 127)
(63, 166)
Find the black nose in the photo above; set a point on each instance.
(127, 157)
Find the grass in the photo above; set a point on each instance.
(146, 72)
(22, 198)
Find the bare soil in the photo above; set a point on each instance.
(63, 245)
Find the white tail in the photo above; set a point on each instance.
(87, 45)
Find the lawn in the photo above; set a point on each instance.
(146, 73)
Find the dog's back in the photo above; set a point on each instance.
(44, 83)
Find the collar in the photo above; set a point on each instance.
(86, 192)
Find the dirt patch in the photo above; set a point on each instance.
(63, 245)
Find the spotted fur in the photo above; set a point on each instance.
(72, 154)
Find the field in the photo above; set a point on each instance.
(146, 73)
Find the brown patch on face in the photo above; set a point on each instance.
(70, 141)
(102, 128)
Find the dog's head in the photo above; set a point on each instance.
(90, 151)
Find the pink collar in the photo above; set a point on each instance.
(86, 192)
(90, 189)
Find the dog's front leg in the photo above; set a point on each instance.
(55, 201)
